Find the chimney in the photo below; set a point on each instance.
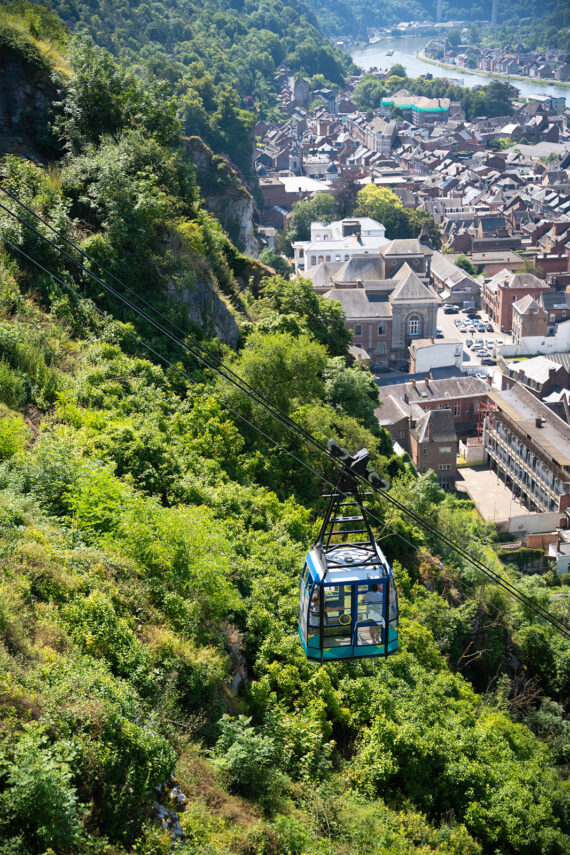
(406, 398)
(413, 383)
(538, 421)
(489, 380)
(426, 381)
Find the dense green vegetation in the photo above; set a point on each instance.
(152, 537)
(546, 31)
(371, 201)
(342, 18)
(217, 57)
(492, 100)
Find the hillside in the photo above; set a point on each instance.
(154, 523)
(340, 18)
(238, 43)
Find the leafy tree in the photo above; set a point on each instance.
(277, 261)
(353, 390)
(103, 98)
(467, 265)
(344, 191)
(454, 37)
(397, 70)
(318, 209)
(324, 319)
(368, 92)
(39, 803)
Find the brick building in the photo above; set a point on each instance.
(503, 289)
(433, 444)
(529, 319)
(460, 396)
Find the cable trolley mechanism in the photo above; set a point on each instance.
(348, 607)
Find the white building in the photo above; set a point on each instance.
(428, 353)
(339, 241)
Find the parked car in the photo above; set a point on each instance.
(483, 353)
(479, 342)
(489, 342)
(438, 332)
(488, 360)
(489, 327)
(450, 310)
(499, 342)
(469, 343)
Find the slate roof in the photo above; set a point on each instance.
(538, 368)
(321, 275)
(360, 269)
(440, 421)
(356, 304)
(405, 246)
(411, 288)
(393, 407)
(526, 305)
(522, 408)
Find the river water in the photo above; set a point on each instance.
(405, 50)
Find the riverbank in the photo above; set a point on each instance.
(492, 74)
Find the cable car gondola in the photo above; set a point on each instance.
(348, 607)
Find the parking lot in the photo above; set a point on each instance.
(447, 325)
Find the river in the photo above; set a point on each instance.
(405, 50)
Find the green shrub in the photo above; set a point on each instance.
(246, 759)
(14, 435)
(14, 392)
(39, 803)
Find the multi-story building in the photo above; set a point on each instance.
(460, 396)
(417, 108)
(380, 135)
(385, 315)
(433, 444)
(530, 447)
(540, 375)
(529, 319)
(338, 241)
(505, 288)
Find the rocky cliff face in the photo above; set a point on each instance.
(225, 194)
(26, 95)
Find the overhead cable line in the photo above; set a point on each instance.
(203, 355)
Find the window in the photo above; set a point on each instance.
(327, 258)
(514, 298)
(401, 434)
(381, 349)
(457, 409)
(424, 467)
(467, 409)
(381, 329)
(424, 449)
(320, 259)
(414, 326)
(313, 259)
(358, 329)
(301, 253)
(444, 467)
(440, 406)
(445, 449)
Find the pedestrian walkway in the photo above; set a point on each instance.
(492, 498)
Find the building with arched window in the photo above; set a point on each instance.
(384, 315)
